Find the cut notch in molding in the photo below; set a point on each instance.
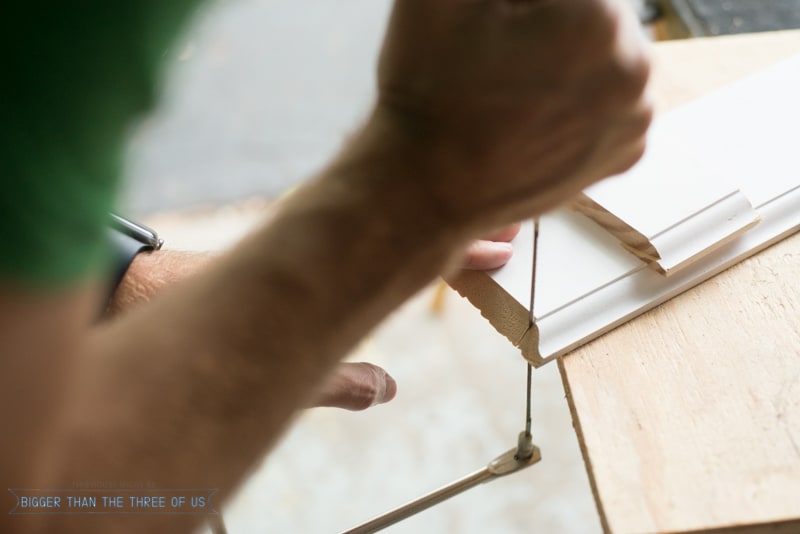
(678, 203)
(675, 246)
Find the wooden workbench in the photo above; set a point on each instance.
(688, 417)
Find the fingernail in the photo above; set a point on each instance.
(389, 392)
(502, 247)
(501, 252)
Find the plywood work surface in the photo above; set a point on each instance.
(689, 416)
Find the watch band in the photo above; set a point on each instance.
(128, 239)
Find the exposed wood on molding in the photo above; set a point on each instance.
(631, 239)
(503, 311)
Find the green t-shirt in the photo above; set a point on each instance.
(76, 76)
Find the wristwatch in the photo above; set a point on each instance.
(128, 239)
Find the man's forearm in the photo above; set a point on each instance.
(192, 388)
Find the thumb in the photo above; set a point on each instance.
(356, 386)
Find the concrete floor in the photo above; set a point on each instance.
(258, 95)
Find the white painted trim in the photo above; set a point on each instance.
(586, 283)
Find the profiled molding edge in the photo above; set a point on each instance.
(504, 312)
(643, 289)
(705, 231)
(684, 242)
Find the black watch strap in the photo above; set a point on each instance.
(128, 238)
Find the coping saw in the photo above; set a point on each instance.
(524, 455)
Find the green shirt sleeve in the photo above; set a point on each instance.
(77, 75)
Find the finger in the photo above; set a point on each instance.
(506, 233)
(482, 255)
(357, 386)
